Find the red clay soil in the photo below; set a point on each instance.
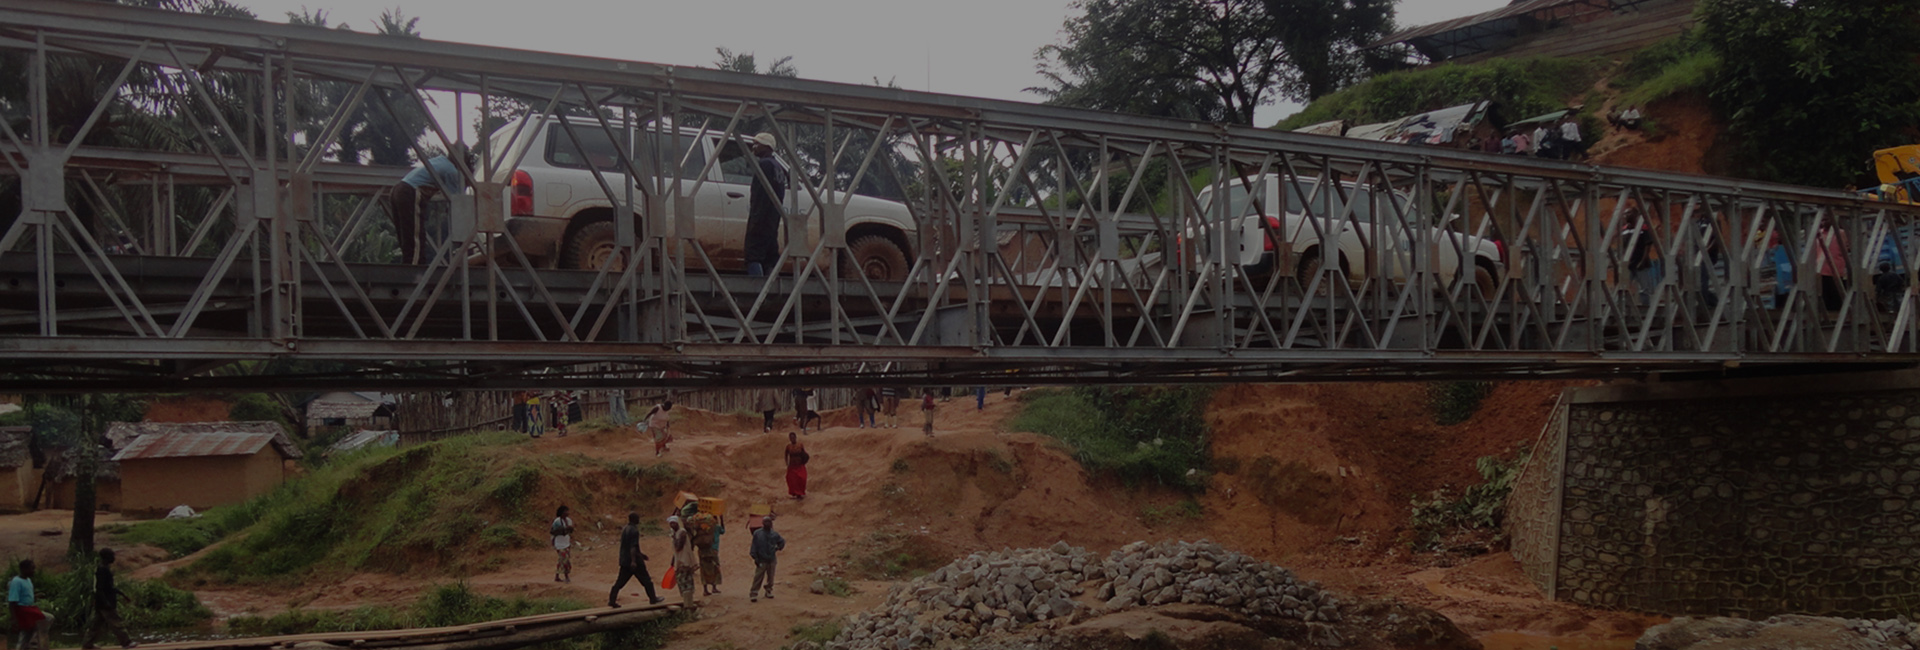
(1682, 136)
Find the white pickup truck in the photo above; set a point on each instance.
(561, 217)
(1380, 225)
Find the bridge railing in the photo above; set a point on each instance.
(202, 189)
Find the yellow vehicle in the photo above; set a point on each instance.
(1899, 171)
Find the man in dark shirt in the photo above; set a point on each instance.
(766, 545)
(633, 563)
(106, 605)
(769, 190)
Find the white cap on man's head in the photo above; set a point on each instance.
(764, 138)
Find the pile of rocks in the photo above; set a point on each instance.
(1785, 631)
(988, 593)
(1206, 574)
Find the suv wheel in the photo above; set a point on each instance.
(590, 246)
(880, 259)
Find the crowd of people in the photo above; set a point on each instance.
(694, 535)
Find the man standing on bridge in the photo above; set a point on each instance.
(633, 563)
(404, 201)
(763, 210)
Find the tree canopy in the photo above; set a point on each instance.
(1214, 60)
(1811, 88)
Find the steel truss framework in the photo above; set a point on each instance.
(1049, 245)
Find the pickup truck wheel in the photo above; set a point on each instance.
(1310, 267)
(880, 259)
(1484, 278)
(590, 246)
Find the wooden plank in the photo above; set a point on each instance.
(464, 634)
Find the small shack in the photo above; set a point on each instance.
(357, 411)
(201, 464)
(18, 477)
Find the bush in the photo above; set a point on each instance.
(1482, 507)
(1454, 402)
(151, 606)
(1665, 69)
(1136, 434)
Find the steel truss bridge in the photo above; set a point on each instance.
(1051, 245)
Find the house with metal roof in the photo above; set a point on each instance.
(199, 464)
(18, 477)
(1527, 28)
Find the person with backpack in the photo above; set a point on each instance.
(633, 564)
(796, 457)
(764, 549)
(561, 532)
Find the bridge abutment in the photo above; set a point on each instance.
(1745, 498)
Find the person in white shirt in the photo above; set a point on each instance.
(562, 533)
(1570, 144)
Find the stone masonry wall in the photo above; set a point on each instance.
(1744, 506)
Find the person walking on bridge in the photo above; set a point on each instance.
(633, 563)
(405, 200)
(764, 214)
(766, 545)
(796, 457)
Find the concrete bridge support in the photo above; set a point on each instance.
(1743, 497)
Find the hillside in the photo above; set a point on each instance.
(1316, 478)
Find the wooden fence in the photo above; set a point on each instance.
(425, 417)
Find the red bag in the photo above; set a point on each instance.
(666, 582)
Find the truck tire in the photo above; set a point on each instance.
(880, 259)
(1310, 267)
(590, 246)
(1484, 278)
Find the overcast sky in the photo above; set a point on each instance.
(982, 48)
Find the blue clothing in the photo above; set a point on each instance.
(765, 544)
(20, 592)
(444, 176)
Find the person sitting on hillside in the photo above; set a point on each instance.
(686, 560)
(633, 563)
(764, 551)
(562, 533)
(1627, 119)
(28, 619)
(796, 458)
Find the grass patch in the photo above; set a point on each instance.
(1153, 434)
(1522, 87)
(1665, 69)
(389, 510)
(837, 587)
(1480, 508)
(1183, 511)
(152, 606)
(820, 632)
(894, 556)
(1454, 402)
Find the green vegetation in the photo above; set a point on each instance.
(1665, 69)
(1481, 508)
(1810, 89)
(1454, 402)
(151, 605)
(837, 587)
(1522, 87)
(440, 505)
(454, 604)
(886, 555)
(1184, 511)
(1142, 434)
(819, 632)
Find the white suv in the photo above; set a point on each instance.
(1311, 213)
(562, 218)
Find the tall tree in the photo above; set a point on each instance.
(1811, 88)
(731, 61)
(1213, 60)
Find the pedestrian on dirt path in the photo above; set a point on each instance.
(659, 424)
(766, 544)
(926, 408)
(803, 409)
(867, 403)
(633, 563)
(106, 605)
(890, 405)
(767, 403)
(562, 533)
(28, 619)
(979, 398)
(796, 458)
(520, 411)
(709, 542)
(536, 418)
(686, 560)
(562, 409)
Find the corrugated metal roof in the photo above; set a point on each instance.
(1518, 8)
(341, 410)
(199, 439)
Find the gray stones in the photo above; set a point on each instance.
(1007, 591)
